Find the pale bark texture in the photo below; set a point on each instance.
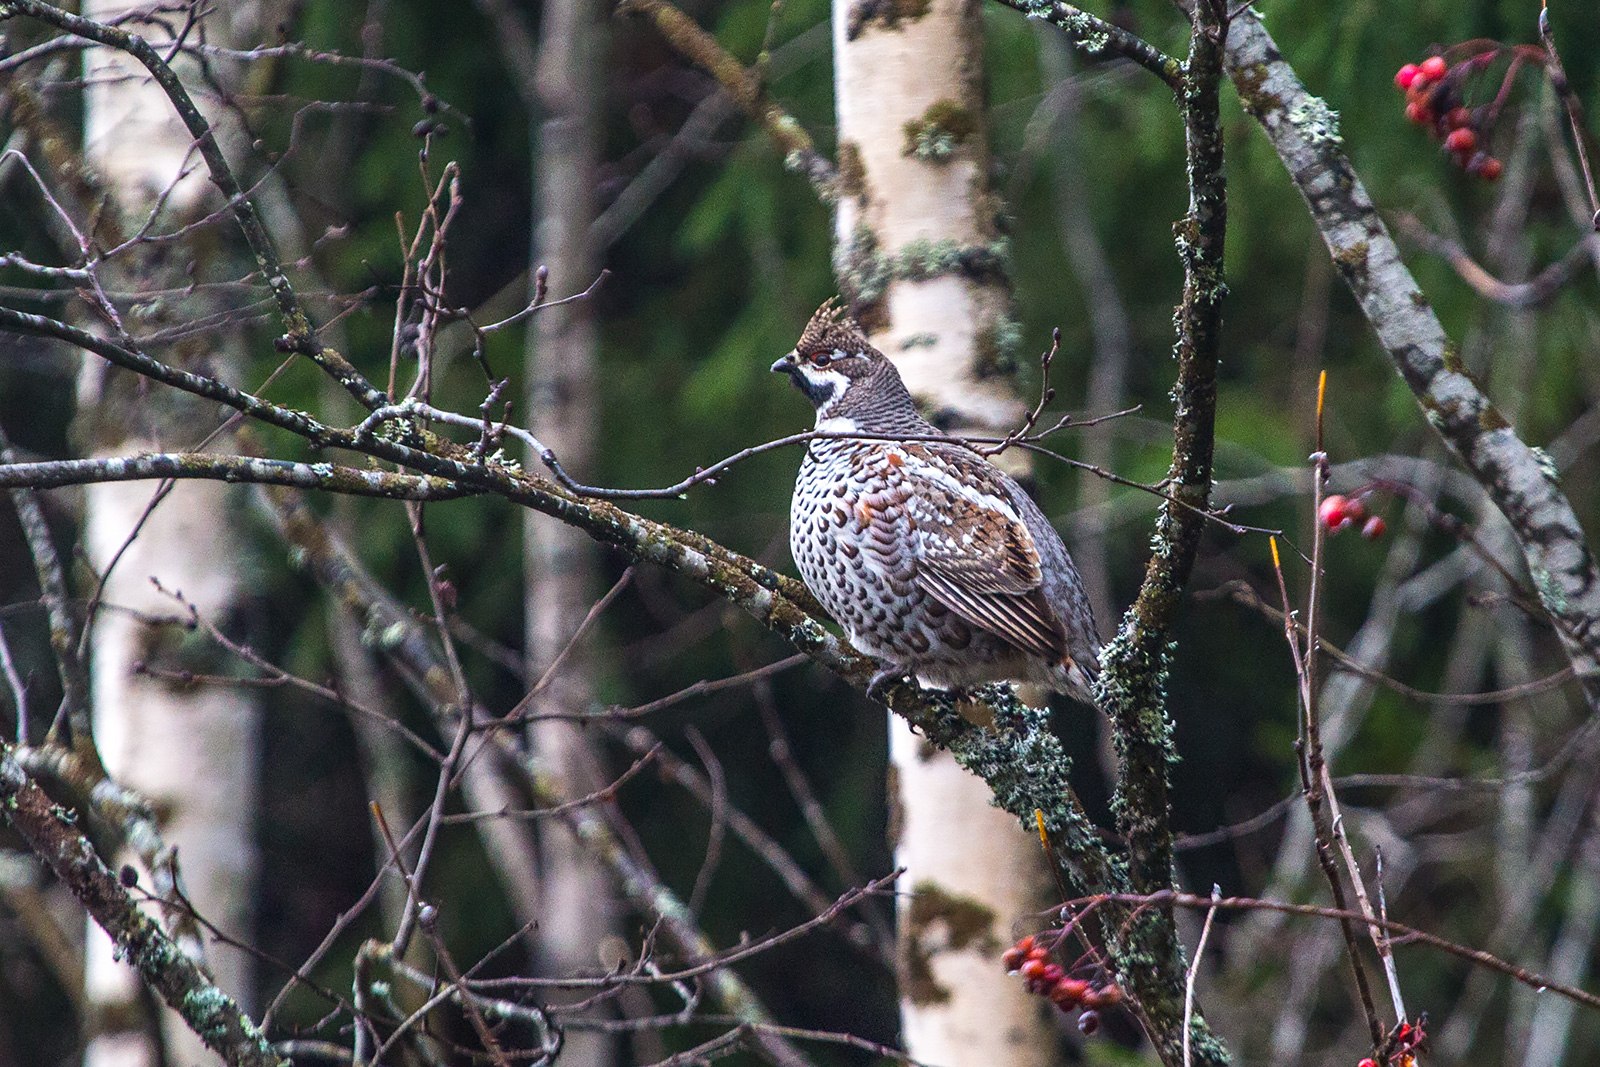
(191, 751)
(579, 905)
(920, 259)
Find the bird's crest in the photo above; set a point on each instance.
(832, 328)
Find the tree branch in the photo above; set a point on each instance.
(1132, 688)
(299, 334)
(185, 987)
(1521, 480)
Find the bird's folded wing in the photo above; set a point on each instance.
(977, 558)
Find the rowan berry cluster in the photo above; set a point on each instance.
(1401, 1047)
(1344, 513)
(1435, 100)
(1047, 978)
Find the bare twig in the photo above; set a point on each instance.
(1194, 972)
(1558, 79)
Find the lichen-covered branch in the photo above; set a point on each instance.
(51, 833)
(132, 819)
(1096, 37)
(1132, 687)
(1521, 480)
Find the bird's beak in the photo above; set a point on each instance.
(785, 364)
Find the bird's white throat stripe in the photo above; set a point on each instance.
(836, 423)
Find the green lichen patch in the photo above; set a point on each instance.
(941, 921)
(1316, 121)
(943, 128)
(965, 921)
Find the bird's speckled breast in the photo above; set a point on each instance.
(851, 532)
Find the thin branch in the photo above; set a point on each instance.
(1194, 972)
(299, 336)
(1096, 37)
(1400, 933)
(744, 87)
(1535, 292)
(1563, 88)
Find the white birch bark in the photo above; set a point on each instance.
(916, 254)
(191, 751)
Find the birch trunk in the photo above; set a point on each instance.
(919, 257)
(191, 751)
(579, 910)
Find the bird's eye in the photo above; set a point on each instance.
(822, 359)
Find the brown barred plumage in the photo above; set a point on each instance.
(933, 559)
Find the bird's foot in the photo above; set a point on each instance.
(878, 687)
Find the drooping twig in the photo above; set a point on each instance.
(1535, 292)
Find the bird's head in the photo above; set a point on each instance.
(842, 375)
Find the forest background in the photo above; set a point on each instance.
(717, 250)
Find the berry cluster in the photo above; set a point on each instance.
(1049, 979)
(1435, 100)
(1344, 512)
(1401, 1047)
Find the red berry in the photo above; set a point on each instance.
(1069, 992)
(1461, 139)
(1053, 973)
(1375, 528)
(1011, 958)
(1458, 117)
(1032, 968)
(1334, 512)
(1490, 171)
(1089, 1023)
(1419, 113)
(1108, 996)
(1024, 944)
(1433, 68)
(1406, 75)
(1368, 1062)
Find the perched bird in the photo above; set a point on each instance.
(932, 558)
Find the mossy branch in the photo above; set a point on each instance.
(180, 982)
(1133, 682)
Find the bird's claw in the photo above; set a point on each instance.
(886, 676)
